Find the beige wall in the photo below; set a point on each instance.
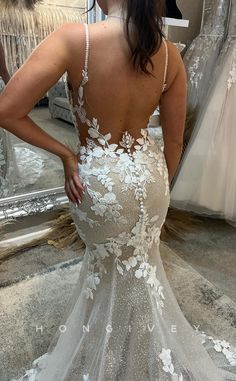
(192, 11)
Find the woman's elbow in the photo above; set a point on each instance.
(6, 112)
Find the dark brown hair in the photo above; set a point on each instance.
(146, 16)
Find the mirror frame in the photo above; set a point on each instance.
(32, 203)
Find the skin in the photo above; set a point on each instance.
(121, 98)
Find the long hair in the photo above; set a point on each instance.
(146, 16)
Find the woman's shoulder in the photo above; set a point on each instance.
(173, 49)
(70, 31)
(175, 59)
(72, 36)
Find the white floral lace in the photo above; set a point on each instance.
(201, 57)
(141, 238)
(168, 366)
(135, 172)
(219, 345)
(86, 377)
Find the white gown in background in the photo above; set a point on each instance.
(201, 57)
(9, 173)
(206, 181)
(119, 321)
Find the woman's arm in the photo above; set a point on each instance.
(28, 85)
(173, 111)
(45, 66)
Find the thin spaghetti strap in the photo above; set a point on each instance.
(166, 66)
(86, 50)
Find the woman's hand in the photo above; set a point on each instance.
(73, 187)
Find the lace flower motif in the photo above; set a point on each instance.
(127, 140)
(141, 238)
(86, 377)
(168, 366)
(220, 346)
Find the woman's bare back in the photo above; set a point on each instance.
(121, 98)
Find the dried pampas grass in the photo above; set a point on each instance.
(28, 4)
(63, 232)
(177, 224)
(23, 27)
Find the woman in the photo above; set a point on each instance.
(119, 323)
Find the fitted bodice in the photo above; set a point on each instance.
(94, 136)
(214, 17)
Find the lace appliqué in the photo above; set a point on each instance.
(195, 76)
(143, 235)
(168, 366)
(86, 377)
(204, 45)
(219, 345)
(135, 172)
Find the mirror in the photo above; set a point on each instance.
(32, 178)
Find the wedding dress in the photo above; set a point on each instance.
(206, 182)
(201, 57)
(9, 173)
(119, 323)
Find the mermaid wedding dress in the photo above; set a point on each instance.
(123, 322)
(201, 57)
(206, 182)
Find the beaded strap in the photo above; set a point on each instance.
(86, 50)
(166, 65)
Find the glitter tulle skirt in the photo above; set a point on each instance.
(123, 321)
